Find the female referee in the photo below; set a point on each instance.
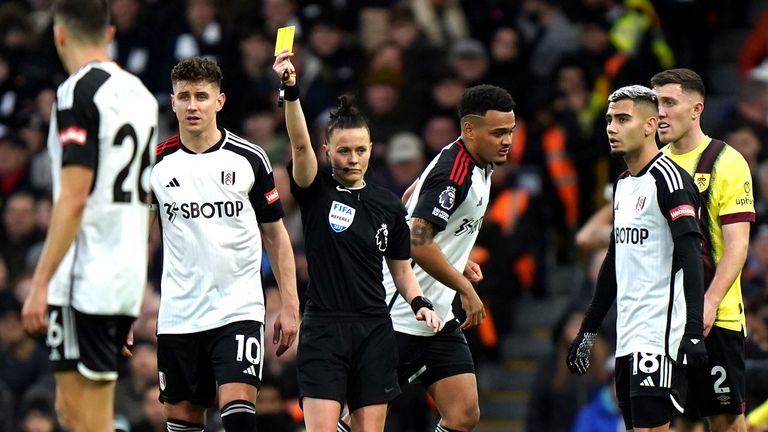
(347, 350)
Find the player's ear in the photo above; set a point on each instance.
(468, 129)
(173, 103)
(698, 108)
(110, 33)
(220, 101)
(60, 34)
(651, 125)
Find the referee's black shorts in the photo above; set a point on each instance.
(348, 360)
(428, 359)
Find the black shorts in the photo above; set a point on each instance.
(191, 366)
(348, 360)
(428, 359)
(90, 344)
(650, 388)
(719, 387)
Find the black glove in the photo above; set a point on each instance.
(692, 351)
(579, 352)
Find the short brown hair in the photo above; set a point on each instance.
(85, 19)
(197, 69)
(689, 80)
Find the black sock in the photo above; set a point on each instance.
(175, 425)
(440, 428)
(343, 426)
(239, 416)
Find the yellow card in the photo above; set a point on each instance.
(284, 39)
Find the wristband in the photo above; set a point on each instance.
(421, 302)
(291, 92)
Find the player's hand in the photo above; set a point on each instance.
(473, 307)
(473, 273)
(692, 351)
(579, 352)
(284, 69)
(126, 350)
(430, 318)
(33, 314)
(710, 313)
(286, 328)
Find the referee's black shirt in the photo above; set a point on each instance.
(347, 233)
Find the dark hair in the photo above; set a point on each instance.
(637, 94)
(197, 69)
(86, 19)
(479, 99)
(689, 80)
(346, 116)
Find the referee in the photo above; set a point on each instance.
(347, 352)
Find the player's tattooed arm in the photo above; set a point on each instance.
(422, 232)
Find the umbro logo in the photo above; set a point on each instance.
(647, 382)
(250, 371)
(695, 341)
(173, 183)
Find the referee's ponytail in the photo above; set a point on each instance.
(346, 116)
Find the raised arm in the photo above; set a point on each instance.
(304, 159)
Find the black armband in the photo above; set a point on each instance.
(421, 302)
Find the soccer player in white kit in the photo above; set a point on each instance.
(92, 272)
(652, 269)
(217, 203)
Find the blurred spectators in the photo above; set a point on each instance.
(23, 362)
(20, 232)
(14, 168)
(549, 34)
(405, 161)
(556, 394)
(443, 21)
(469, 61)
(130, 390)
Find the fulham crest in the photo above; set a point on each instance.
(227, 178)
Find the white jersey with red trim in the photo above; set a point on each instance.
(210, 205)
(452, 193)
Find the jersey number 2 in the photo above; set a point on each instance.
(119, 193)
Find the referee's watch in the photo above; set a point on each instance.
(421, 302)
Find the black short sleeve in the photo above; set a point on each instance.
(441, 194)
(680, 206)
(264, 196)
(399, 247)
(300, 194)
(78, 119)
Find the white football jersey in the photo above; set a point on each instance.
(452, 193)
(105, 119)
(650, 211)
(209, 207)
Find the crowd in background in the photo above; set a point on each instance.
(407, 62)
